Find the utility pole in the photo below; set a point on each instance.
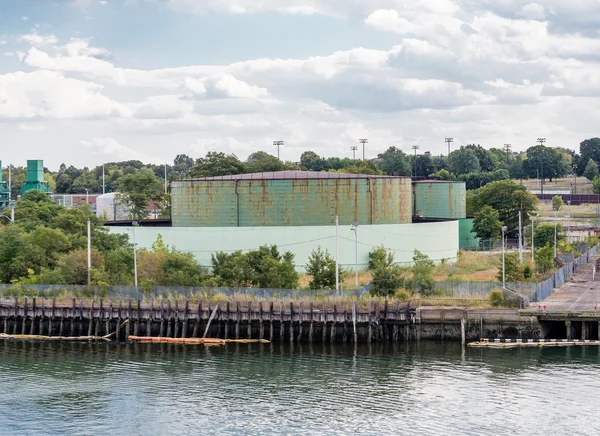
(504, 229)
(103, 184)
(532, 241)
(89, 251)
(165, 178)
(9, 183)
(508, 148)
(520, 237)
(87, 196)
(354, 148)
(355, 229)
(449, 141)
(135, 274)
(337, 253)
(555, 233)
(363, 142)
(542, 141)
(278, 144)
(415, 148)
(575, 176)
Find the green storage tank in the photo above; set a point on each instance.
(4, 194)
(440, 199)
(290, 198)
(35, 178)
(467, 239)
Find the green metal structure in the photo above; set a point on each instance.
(466, 238)
(440, 199)
(290, 199)
(4, 193)
(35, 178)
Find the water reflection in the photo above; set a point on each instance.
(425, 388)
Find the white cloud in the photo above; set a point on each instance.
(111, 149)
(533, 11)
(44, 94)
(39, 40)
(229, 86)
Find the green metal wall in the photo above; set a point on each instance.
(467, 239)
(440, 199)
(439, 240)
(35, 171)
(297, 202)
(3, 189)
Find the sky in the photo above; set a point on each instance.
(91, 81)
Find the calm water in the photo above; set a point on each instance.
(272, 389)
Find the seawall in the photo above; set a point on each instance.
(274, 321)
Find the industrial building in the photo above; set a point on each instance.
(296, 211)
(35, 178)
(4, 191)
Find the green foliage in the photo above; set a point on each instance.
(550, 162)
(387, 276)
(485, 158)
(591, 170)
(591, 241)
(402, 295)
(596, 185)
(138, 189)
(422, 272)
(513, 271)
(260, 162)
(262, 268)
(464, 161)
(507, 197)
(486, 223)
(590, 150)
(544, 258)
(496, 298)
(394, 160)
(557, 202)
(321, 267)
(544, 234)
(217, 164)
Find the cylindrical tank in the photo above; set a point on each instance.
(109, 208)
(440, 199)
(293, 198)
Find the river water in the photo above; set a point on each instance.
(424, 389)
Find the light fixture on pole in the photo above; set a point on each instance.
(89, 251)
(354, 228)
(363, 142)
(415, 148)
(103, 181)
(504, 229)
(135, 274)
(449, 141)
(555, 220)
(337, 253)
(575, 176)
(87, 196)
(354, 148)
(507, 148)
(278, 144)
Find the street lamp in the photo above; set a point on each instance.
(354, 228)
(504, 229)
(575, 176)
(415, 148)
(354, 148)
(555, 221)
(132, 230)
(532, 216)
(278, 144)
(363, 142)
(449, 141)
(87, 196)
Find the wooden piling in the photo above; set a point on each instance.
(186, 313)
(354, 315)
(162, 319)
(311, 325)
(334, 324)
(281, 324)
(91, 323)
(270, 321)
(33, 317)
(238, 319)
(291, 322)
(249, 336)
(261, 332)
(169, 318)
(324, 321)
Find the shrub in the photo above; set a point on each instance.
(422, 271)
(402, 295)
(496, 298)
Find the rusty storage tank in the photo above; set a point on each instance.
(290, 198)
(440, 199)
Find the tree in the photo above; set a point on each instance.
(362, 167)
(516, 169)
(74, 267)
(138, 189)
(311, 161)
(486, 160)
(589, 149)
(463, 161)
(548, 161)
(544, 235)
(424, 165)
(513, 272)
(486, 223)
(321, 267)
(544, 258)
(596, 185)
(508, 198)
(263, 162)
(217, 164)
(557, 202)
(422, 272)
(387, 276)
(591, 170)
(394, 160)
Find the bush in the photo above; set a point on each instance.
(402, 295)
(423, 274)
(496, 297)
(321, 267)
(387, 277)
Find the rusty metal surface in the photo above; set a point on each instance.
(293, 175)
(291, 202)
(437, 199)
